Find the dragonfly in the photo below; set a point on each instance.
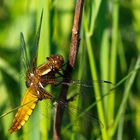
(36, 82)
(37, 78)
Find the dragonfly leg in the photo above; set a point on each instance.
(43, 94)
(64, 65)
(57, 84)
(60, 74)
(61, 69)
(48, 79)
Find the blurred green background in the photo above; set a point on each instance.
(109, 50)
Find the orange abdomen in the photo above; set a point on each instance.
(28, 104)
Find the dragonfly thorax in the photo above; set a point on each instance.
(53, 64)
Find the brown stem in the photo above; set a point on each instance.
(59, 110)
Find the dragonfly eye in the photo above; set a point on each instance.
(55, 61)
(58, 61)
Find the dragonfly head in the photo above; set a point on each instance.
(56, 61)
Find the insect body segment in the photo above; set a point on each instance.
(54, 64)
(29, 102)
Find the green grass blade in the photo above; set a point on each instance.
(113, 64)
(125, 97)
(93, 68)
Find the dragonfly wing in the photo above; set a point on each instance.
(34, 51)
(82, 115)
(25, 58)
(28, 104)
(87, 84)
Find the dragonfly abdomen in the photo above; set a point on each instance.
(22, 116)
(27, 106)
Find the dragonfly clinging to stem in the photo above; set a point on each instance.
(37, 78)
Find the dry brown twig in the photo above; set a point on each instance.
(75, 42)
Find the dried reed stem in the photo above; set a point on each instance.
(59, 110)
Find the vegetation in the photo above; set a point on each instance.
(109, 50)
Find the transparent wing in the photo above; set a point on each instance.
(34, 50)
(24, 54)
(78, 114)
(86, 83)
(86, 86)
(83, 83)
